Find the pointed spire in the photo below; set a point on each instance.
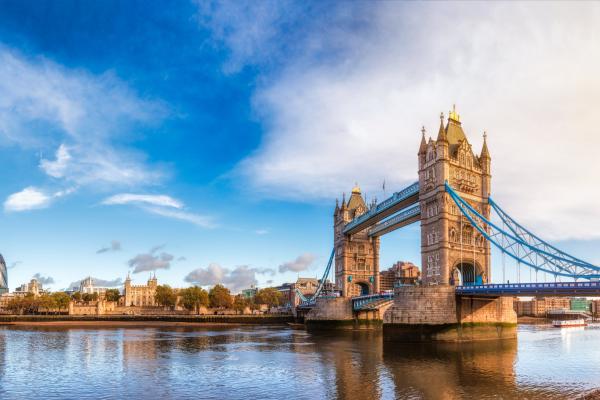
(442, 132)
(343, 201)
(423, 146)
(337, 208)
(485, 153)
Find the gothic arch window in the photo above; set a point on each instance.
(452, 235)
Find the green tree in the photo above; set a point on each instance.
(87, 297)
(269, 296)
(165, 296)
(220, 297)
(61, 299)
(193, 298)
(112, 295)
(240, 303)
(76, 296)
(45, 302)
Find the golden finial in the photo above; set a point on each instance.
(356, 189)
(453, 114)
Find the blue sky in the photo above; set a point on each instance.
(209, 140)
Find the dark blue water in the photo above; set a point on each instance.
(276, 363)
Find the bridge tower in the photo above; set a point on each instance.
(357, 255)
(452, 251)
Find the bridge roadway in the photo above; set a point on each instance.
(531, 289)
(398, 201)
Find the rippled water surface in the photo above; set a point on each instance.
(277, 362)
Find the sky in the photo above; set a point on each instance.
(207, 141)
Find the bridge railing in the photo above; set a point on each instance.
(360, 301)
(390, 201)
(516, 288)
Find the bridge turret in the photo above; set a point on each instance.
(485, 160)
(452, 251)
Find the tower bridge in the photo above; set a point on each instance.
(452, 202)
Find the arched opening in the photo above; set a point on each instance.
(466, 273)
(364, 288)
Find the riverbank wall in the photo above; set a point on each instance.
(268, 319)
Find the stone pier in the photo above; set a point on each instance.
(337, 313)
(435, 313)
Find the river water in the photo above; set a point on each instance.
(280, 363)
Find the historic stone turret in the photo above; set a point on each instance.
(356, 256)
(452, 251)
(3, 276)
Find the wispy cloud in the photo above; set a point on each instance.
(356, 113)
(139, 199)
(162, 205)
(76, 115)
(261, 231)
(115, 245)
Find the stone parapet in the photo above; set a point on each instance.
(428, 305)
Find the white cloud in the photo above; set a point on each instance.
(301, 263)
(156, 200)
(525, 72)
(241, 277)
(29, 198)
(203, 221)
(78, 115)
(151, 261)
(261, 231)
(32, 198)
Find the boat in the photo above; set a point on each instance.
(569, 323)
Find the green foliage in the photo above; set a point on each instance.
(112, 295)
(76, 296)
(165, 296)
(240, 303)
(269, 296)
(61, 300)
(220, 297)
(193, 298)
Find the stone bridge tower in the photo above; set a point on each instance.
(452, 252)
(356, 256)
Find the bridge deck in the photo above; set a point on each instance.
(531, 289)
(391, 205)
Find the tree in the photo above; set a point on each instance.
(269, 296)
(193, 298)
(112, 295)
(220, 297)
(76, 296)
(240, 303)
(45, 302)
(86, 297)
(61, 299)
(165, 296)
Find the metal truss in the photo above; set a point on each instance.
(523, 246)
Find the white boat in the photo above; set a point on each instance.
(569, 323)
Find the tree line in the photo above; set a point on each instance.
(218, 296)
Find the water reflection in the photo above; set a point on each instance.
(275, 362)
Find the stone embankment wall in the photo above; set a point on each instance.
(435, 313)
(330, 313)
(218, 319)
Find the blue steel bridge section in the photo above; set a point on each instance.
(398, 201)
(511, 239)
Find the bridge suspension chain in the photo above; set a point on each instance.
(313, 298)
(523, 246)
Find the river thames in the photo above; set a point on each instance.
(246, 362)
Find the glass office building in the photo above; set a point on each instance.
(3, 276)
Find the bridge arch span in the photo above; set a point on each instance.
(467, 272)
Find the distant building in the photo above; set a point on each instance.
(249, 293)
(87, 286)
(33, 287)
(3, 276)
(540, 306)
(403, 272)
(140, 295)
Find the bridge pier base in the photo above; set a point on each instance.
(435, 313)
(337, 313)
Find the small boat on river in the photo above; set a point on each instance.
(568, 323)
